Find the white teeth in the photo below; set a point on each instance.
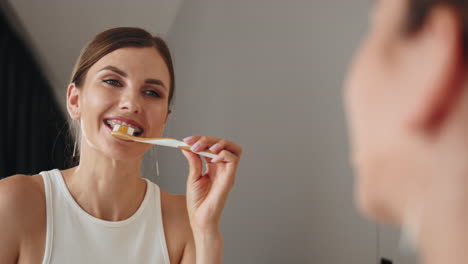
(114, 123)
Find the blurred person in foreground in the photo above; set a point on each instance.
(407, 105)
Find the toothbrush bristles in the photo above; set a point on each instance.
(130, 131)
(123, 129)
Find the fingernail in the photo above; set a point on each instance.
(188, 138)
(214, 147)
(194, 147)
(215, 159)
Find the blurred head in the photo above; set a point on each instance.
(405, 103)
(122, 75)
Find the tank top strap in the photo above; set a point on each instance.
(156, 198)
(48, 179)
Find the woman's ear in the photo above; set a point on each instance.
(73, 105)
(441, 39)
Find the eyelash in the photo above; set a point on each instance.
(118, 84)
(153, 93)
(112, 82)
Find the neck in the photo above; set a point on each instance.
(443, 223)
(444, 239)
(437, 226)
(105, 188)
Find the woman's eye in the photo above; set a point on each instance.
(152, 93)
(112, 82)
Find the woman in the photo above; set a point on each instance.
(101, 211)
(407, 103)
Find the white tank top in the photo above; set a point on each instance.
(74, 236)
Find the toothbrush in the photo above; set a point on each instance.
(126, 133)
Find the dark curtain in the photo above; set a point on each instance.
(34, 133)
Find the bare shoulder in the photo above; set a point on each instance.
(176, 225)
(21, 200)
(20, 192)
(175, 207)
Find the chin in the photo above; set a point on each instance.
(373, 204)
(376, 192)
(123, 153)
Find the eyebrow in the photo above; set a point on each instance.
(124, 74)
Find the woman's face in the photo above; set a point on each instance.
(128, 85)
(382, 81)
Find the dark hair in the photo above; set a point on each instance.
(116, 38)
(418, 11)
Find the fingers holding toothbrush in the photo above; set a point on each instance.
(215, 145)
(207, 193)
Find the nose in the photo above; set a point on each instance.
(130, 101)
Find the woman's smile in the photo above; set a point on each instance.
(131, 124)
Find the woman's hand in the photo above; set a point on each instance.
(207, 192)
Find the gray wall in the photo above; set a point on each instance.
(268, 75)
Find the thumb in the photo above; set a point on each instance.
(195, 166)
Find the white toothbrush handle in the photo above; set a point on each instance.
(177, 144)
(201, 153)
(206, 154)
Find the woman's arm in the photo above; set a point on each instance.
(207, 194)
(209, 247)
(208, 250)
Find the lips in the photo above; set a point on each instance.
(111, 122)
